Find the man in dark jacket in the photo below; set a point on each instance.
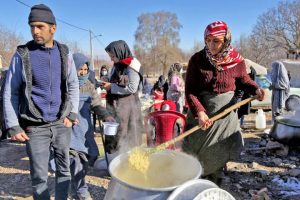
(41, 99)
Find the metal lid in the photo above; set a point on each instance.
(293, 103)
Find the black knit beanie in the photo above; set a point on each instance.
(41, 13)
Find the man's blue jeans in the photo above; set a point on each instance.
(38, 146)
(79, 166)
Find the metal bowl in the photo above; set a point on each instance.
(286, 130)
(292, 103)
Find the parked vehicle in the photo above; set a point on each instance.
(265, 83)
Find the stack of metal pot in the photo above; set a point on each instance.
(286, 128)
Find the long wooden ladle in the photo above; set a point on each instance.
(214, 118)
(139, 157)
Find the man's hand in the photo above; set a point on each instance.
(204, 120)
(20, 137)
(67, 122)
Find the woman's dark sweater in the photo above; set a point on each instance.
(203, 76)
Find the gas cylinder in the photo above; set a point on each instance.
(260, 119)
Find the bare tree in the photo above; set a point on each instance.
(156, 41)
(197, 47)
(72, 45)
(252, 47)
(9, 41)
(276, 33)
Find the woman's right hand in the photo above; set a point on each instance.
(204, 120)
(260, 94)
(109, 119)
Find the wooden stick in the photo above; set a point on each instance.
(152, 104)
(214, 118)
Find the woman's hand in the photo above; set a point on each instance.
(260, 94)
(109, 119)
(106, 85)
(204, 120)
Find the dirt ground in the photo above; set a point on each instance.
(263, 174)
(259, 174)
(15, 178)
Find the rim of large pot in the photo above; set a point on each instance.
(295, 122)
(154, 189)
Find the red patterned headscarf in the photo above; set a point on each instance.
(228, 57)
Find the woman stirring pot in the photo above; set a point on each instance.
(210, 83)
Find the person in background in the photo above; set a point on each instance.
(158, 95)
(241, 95)
(83, 147)
(280, 87)
(40, 102)
(210, 85)
(104, 73)
(103, 76)
(147, 87)
(176, 86)
(162, 85)
(157, 92)
(122, 97)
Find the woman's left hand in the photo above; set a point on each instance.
(109, 119)
(106, 85)
(260, 94)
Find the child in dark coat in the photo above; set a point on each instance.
(84, 150)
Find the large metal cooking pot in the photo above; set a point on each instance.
(120, 189)
(292, 103)
(286, 130)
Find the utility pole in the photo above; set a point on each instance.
(91, 51)
(0, 61)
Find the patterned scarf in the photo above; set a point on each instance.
(228, 57)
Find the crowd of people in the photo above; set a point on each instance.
(48, 101)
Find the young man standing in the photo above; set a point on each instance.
(41, 99)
